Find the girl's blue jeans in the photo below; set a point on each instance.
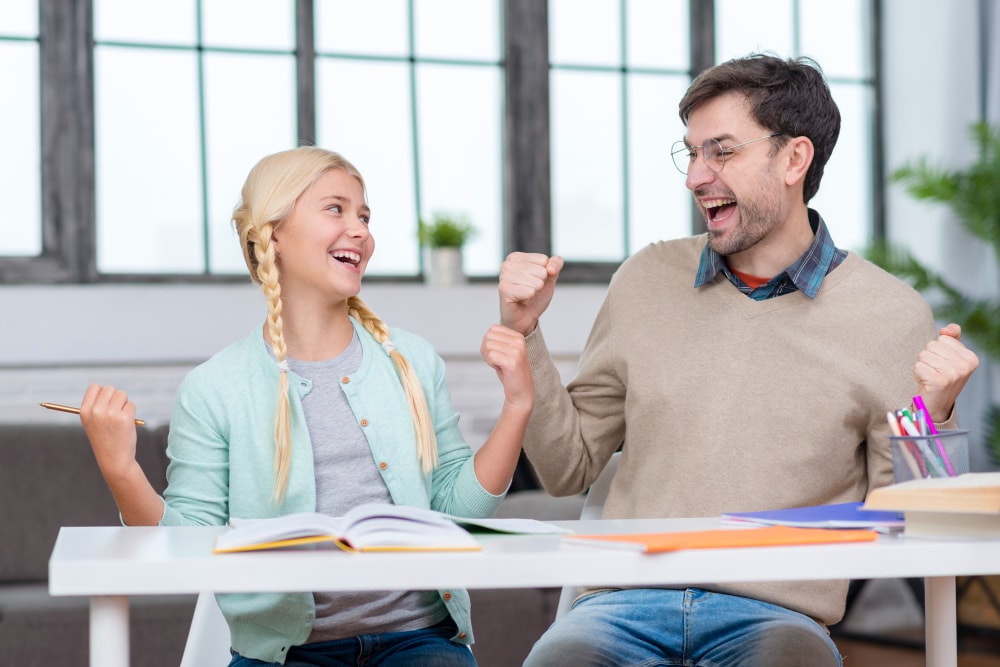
(428, 648)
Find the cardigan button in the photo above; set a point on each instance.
(345, 380)
(364, 422)
(461, 635)
(446, 596)
(383, 465)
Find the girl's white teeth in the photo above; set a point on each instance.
(352, 257)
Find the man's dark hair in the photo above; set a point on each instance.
(786, 96)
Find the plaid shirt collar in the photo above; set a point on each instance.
(806, 274)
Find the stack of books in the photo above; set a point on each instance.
(966, 505)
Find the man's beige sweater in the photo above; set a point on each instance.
(726, 404)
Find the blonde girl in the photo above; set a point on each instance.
(320, 409)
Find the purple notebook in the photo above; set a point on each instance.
(842, 515)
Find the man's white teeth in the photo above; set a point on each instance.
(715, 203)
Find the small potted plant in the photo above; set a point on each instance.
(443, 238)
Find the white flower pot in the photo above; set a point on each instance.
(444, 267)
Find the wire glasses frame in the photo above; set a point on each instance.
(712, 152)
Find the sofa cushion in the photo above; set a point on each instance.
(49, 479)
(38, 629)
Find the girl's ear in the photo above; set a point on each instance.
(275, 242)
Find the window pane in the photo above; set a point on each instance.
(239, 134)
(374, 131)
(845, 194)
(19, 19)
(659, 204)
(658, 34)
(585, 32)
(586, 130)
(20, 159)
(340, 27)
(836, 34)
(251, 24)
(148, 171)
(145, 21)
(457, 29)
(744, 27)
(460, 152)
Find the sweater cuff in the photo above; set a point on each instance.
(949, 424)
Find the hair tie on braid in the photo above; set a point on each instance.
(389, 347)
(283, 366)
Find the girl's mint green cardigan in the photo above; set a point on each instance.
(221, 450)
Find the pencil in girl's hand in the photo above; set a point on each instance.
(76, 411)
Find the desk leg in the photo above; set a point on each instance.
(109, 634)
(941, 622)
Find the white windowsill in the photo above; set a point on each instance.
(143, 324)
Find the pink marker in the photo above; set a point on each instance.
(918, 403)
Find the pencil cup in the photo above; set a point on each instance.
(943, 455)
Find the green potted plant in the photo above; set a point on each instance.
(443, 238)
(973, 195)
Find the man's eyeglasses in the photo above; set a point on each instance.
(712, 152)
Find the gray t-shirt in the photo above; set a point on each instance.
(346, 476)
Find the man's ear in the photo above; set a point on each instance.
(800, 155)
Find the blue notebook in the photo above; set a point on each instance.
(842, 515)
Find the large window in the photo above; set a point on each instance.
(20, 159)
(188, 95)
(417, 106)
(838, 35)
(129, 125)
(619, 69)
(616, 81)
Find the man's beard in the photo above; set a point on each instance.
(757, 217)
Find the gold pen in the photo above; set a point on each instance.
(76, 411)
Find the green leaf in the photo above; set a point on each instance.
(973, 195)
(445, 231)
(991, 434)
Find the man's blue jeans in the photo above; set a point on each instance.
(427, 648)
(646, 627)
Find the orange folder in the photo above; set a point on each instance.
(769, 536)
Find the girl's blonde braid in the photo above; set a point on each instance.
(267, 274)
(422, 424)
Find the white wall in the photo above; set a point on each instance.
(155, 323)
(931, 96)
(144, 338)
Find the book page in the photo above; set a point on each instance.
(377, 526)
(516, 526)
(952, 524)
(246, 532)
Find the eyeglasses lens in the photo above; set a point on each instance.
(711, 151)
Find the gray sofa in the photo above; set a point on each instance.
(48, 479)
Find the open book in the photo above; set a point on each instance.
(370, 527)
(967, 505)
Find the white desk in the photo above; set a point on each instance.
(111, 563)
